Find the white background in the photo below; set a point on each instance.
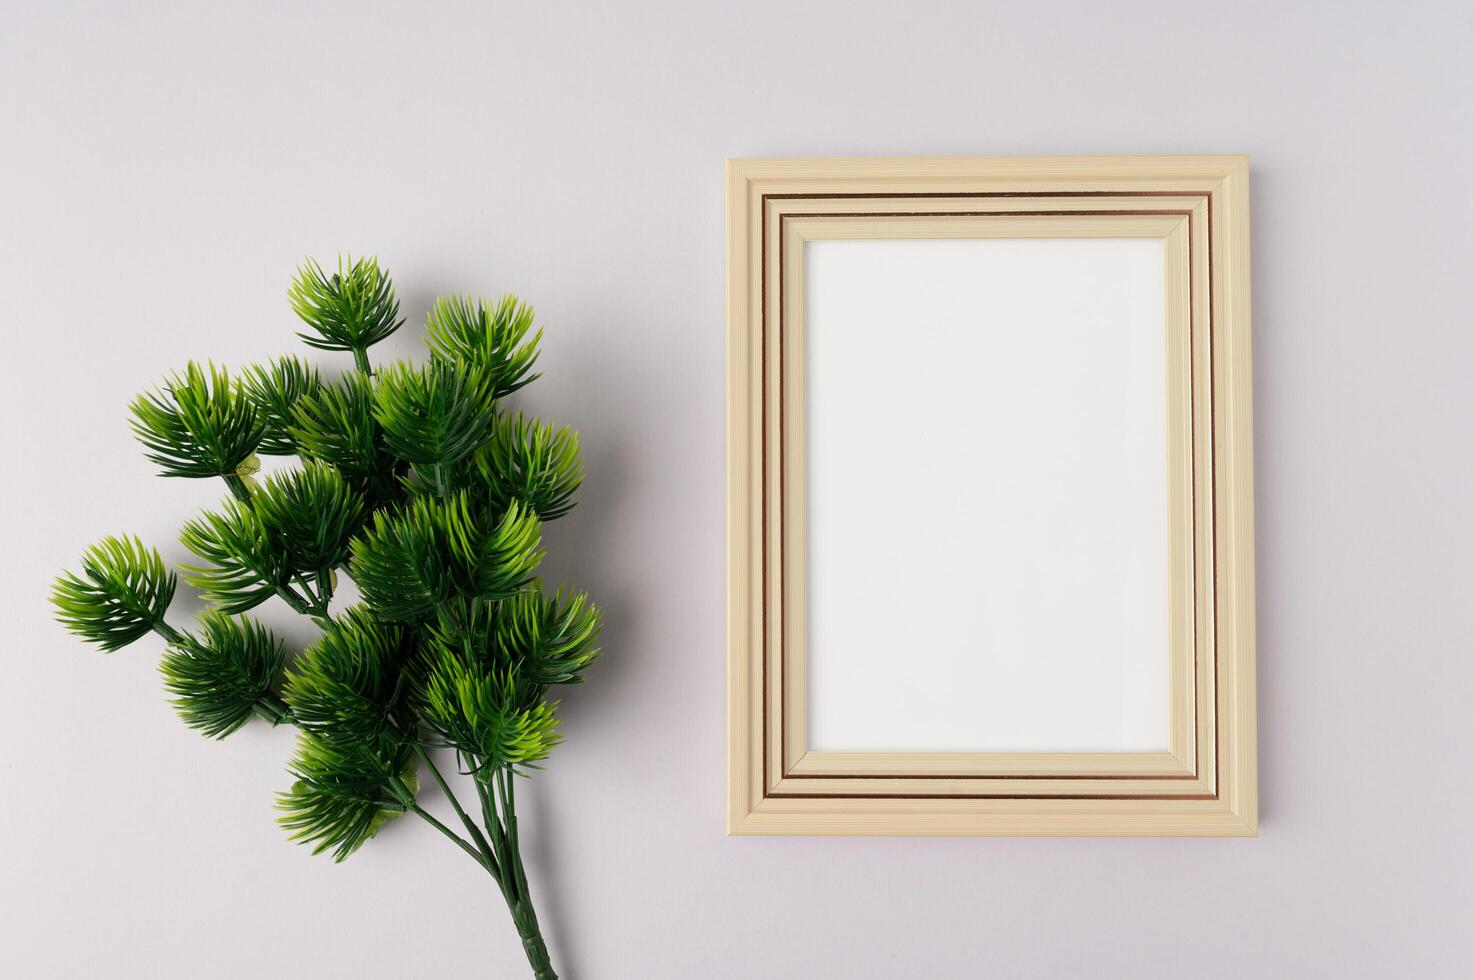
(164, 166)
(987, 495)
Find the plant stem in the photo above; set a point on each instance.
(470, 825)
(503, 828)
(525, 918)
(267, 714)
(315, 610)
(169, 633)
(460, 841)
(238, 487)
(275, 710)
(360, 358)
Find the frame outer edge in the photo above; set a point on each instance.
(738, 491)
(1238, 539)
(1235, 812)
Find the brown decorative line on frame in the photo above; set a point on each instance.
(1212, 482)
(985, 796)
(847, 195)
(782, 491)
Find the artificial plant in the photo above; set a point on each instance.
(417, 483)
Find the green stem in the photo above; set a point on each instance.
(315, 609)
(514, 877)
(238, 487)
(268, 712)
(460, 841)
(275, 710)
(360, 358)
(470, 825)
(509, 817)
(169, 633)
(315, 602)
(525, 918)
(324, 587)
(489, 817)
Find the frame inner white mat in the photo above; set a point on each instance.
(986, 495)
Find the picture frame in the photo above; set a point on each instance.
(1130, 708)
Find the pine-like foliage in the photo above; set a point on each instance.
(531, 461)
(345, 791)
(491, 334)
(336, 425)
(551, 637)
(220, 677)
(120, 595)
(436, 551)
(486, 715)
(275, 389)
(435, 416)
(348, 310)
(415, 481)
(199, 424)
(349, 685)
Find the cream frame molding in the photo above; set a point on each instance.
(1206, 783)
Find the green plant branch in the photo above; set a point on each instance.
(490, 862)
(273, 709)
(508, 828)
(315, 609)
(493, 828)
(413, 481)
(313, 605)
(269, 706)
(238, 487)
(169, 633)
(510, 808)
(518, 896)
(277, 712)
(464, 844)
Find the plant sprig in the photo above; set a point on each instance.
(417, 483)
(348, 310)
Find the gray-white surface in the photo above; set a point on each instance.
(162, 167)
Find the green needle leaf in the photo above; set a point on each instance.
(310, 515)
(551, 637)
(274, 389)
(336, 425)
(490, 334)
(486, 714)
(436, 414)
(345, 791)
(219, 677)
(200, 424)
(244, 563)
(122, 591)
(434, 550)
(532, 462)
(349, 310)
(347, 685)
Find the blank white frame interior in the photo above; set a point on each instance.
(986, 437)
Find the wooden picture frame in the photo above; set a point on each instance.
(1202, 780)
